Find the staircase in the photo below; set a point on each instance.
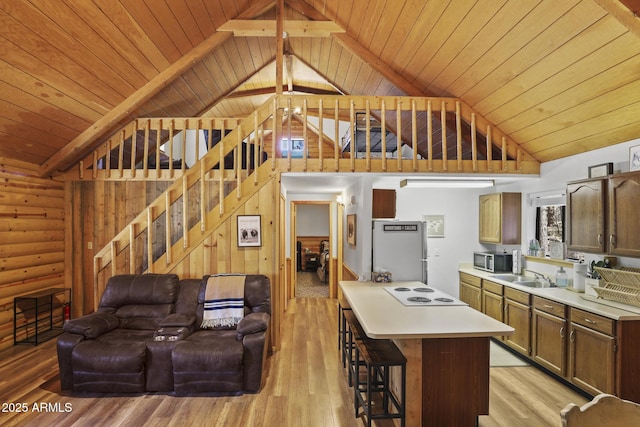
(444, 136)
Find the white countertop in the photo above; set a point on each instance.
(383, 316)
(609, 309)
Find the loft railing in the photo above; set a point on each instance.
(287, 133)
(430, 135)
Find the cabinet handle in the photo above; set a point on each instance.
(612, 240)
(593, 322)
(599, 239)
(562, 332)
(572, 335)
(548, 307)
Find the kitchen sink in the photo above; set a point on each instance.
(527, 281)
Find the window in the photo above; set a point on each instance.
(550, 225)
(297, 147)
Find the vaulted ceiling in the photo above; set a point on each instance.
(558, 77)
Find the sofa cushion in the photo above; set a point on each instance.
(143, 316)
(145, 289)
(109, 357)
(92, 325)
(206, 351)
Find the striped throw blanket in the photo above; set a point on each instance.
(223, 301)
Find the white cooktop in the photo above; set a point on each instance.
(410, 294)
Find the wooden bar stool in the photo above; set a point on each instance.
(342, 334)
(378, 356)
(355, 333)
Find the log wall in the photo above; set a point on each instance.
(32, 213)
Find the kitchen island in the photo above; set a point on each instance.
(446, 346)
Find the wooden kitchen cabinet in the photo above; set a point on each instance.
(549, 331)
(471, 290)
(492, 299)
(586, 215)
(500, 218)
(592, 348)
(517, 314)
(624, 228)
(384, 203)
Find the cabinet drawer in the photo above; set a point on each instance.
(470, 279)
(593, 321)
(516, 295)
(494, 288)
(550, 307)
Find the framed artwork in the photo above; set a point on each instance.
(249, 230)
(601, 170)
(634, 158)
(351, 229)
(435, 225)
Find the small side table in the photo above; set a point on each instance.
(42, 315)
(311, 261)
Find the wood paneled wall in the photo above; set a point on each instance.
(32, 213)
(99, 210)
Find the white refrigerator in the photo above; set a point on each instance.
(400, 247)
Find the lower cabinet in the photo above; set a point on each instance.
(592, 348)
(549, 331)
(517, 314)
(595, 353)
(492, 300)
(471, 290)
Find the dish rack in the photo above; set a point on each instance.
(621, 285)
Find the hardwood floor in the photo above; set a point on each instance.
(306, 386)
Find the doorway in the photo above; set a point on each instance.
(311, 248)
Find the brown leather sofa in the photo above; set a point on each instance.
(146, 337)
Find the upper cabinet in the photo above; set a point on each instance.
(384, 203)
(602, 215)
(500, 218)
(586, 201)
(624, 228)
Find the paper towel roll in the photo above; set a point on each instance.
(579, 274)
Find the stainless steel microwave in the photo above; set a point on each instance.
(493, 262)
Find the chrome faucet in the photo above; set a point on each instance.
(544, 278)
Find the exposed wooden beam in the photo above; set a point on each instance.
(626, 13)
(77, 148)
(279, 32)
(267, 28)
(272, 90)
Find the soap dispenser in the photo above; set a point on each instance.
(562, 280)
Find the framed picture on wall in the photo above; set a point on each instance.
(600, 170)
(249, 230)
(435, 225)
(351, 229)
(634, 158)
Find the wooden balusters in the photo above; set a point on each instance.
(429, 135)
(414, 135)
(352, 144)
(399, 132)
(367, 133)
(321, 135)
(383, 134)
(443, 126)
(458, 136)
(474, 149)
(489, 150)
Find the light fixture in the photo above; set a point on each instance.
(446, 183)
(339, 199)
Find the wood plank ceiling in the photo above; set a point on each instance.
(558, 77)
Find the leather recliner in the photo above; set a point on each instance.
(146, 336)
